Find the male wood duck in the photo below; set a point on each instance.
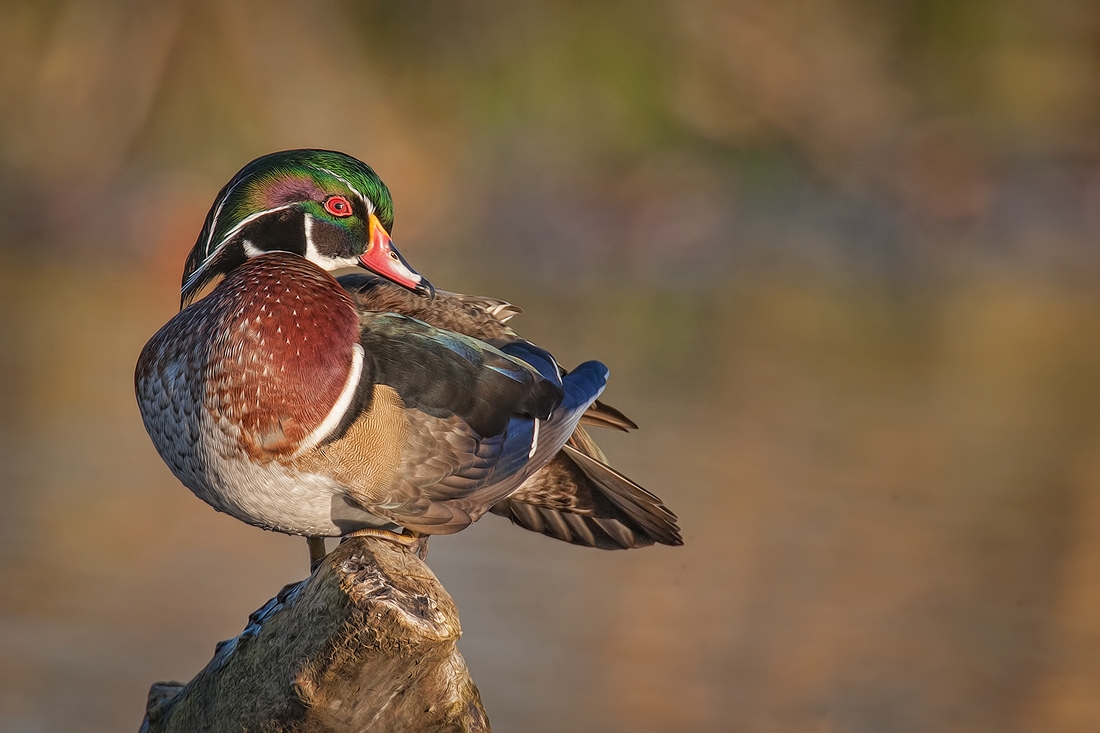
(308, 406)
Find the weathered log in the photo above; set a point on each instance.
(367, 642)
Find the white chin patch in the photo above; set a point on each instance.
(325, 262)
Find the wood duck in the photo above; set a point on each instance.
(302, 406)
(576, 497)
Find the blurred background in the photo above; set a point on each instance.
(841, 257)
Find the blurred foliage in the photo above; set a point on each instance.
(929, 117)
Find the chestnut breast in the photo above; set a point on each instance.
(282, 352)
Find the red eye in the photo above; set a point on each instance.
(338, 206)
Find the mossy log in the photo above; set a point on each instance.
(367, 642)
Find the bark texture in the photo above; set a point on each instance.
(367, 642)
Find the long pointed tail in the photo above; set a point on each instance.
(578, 498)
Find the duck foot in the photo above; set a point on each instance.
(317, 551)
(410, 540)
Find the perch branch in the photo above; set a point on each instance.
(367, 642)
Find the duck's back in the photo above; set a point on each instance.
(479, 317)
(576, 497)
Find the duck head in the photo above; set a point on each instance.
(322, 205)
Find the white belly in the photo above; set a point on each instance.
(206, 456)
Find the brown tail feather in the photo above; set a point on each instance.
(644, 508)
(605, 416)
(578, 498)
(577, 529)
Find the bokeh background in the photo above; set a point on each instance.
(840, 255)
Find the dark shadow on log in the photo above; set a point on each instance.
(367, 642)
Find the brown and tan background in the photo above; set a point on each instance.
(842, 257)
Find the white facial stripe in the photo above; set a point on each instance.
(343, 402)
(226, 239)
(251, 250)
(251, 218)
(218, 212)
(346, 182)
(310, 247)
(321, 260)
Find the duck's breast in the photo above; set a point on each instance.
(285, 360)
(237, 384)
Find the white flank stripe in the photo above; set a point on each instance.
(534, 440)
(343, 402)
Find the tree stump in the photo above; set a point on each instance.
(367, 642)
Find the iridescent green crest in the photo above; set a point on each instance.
(303, 178)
